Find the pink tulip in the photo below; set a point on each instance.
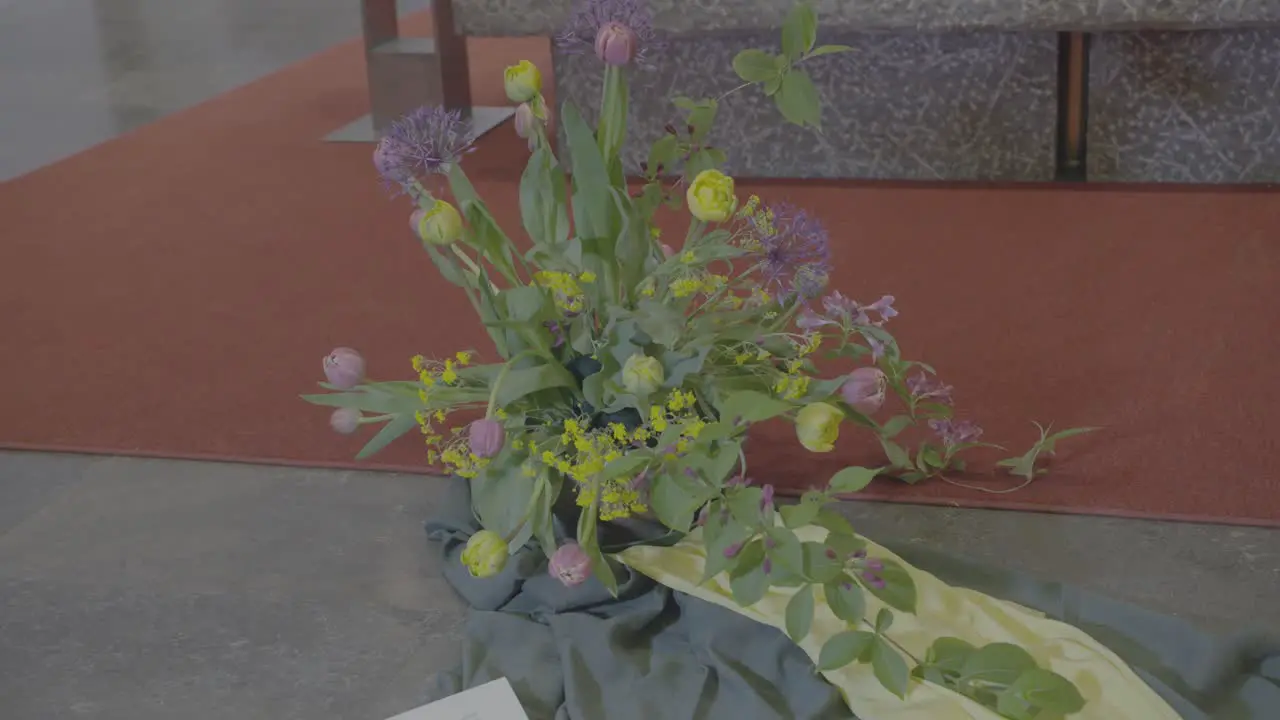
(864, 390)
(345, 420)
(570, 564)
(344, 368)
(616, 43)
(486, 437)
(668, 251)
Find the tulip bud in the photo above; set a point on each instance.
(485, 554)
(570, 564)
(616, 43)
(344, 368)
(641, 374)
(864, 390)
(440, 225)
(345, 420)
(668, 251)
(522, 81)
(818, 426)
(526, 121)
(486, 437)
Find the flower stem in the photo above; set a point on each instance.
(502, 375)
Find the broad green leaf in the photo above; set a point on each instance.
(799, 617)
(949, 654)
(589, 539)
(752, 407)
(884, 620)
(500, 495)
(744, 503)
(1045, 690)
(772, 86)
(626, 465)
(889, 667)
(829, 50)
(898, 456)
(899, 591)
(819, 566)
(519, 383)
(845, 545)
(543, 518)
(834, 522)
(845, 599)
(799, 31)
(536, 200)
(449, 270)
(844, 648)
(701, 160)
(592, 203)
(803, 512)
(852, 479)
(680, 364)
(997, 663)
(727, 534)
(797, 99)
(747, 578)
(786, 551)
(660, 321)
(701, 118)
(675, 500)
(754, 66)
(397, 426)
(663, 154)
(895, 425)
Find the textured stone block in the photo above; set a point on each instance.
(1198, 107)
(961, 106)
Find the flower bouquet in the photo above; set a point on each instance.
(629, 368)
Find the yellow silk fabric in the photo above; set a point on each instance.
(1111, 690)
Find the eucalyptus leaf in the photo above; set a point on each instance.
(889, 667)
(844, 648)
(799, 615)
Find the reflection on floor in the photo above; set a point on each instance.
(158, 589)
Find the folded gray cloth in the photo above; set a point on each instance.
(581, 654)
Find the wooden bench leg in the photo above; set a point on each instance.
(405, 73)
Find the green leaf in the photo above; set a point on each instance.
(898, 456)
(1045, 690)
(797, 99)
(501, 496)
(884, 620)
(852, 479)
(675, 500)
(799, 616)
(720, 535)
(820, 567)
(592, 203)
(843, 648)
(787, 551)
(519, 383)
(626, 465)
(755, 66)
(895, 425)
(899, 591)
(752, 407)
(747, 578)
(701, 160)
(829, 50)
(701, 118)
(996, 664)
(772, 86)
(803, 512)
(397, 426)
(834, 522)
(799, 31)
(589, 539)
(663, 154)
(845, 599)
(889, 667)
(949, 654)
(661, 321)
(537, 204)
(744, 503)
(449, 270)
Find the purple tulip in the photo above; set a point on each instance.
(487, 437)
(344, 368)
(616, 43)
(864, 390)
(345, 420)
(570, 564)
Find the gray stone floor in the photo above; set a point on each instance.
(151, 589)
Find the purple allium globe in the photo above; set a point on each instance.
(794, 252)
(591, 16)
(427, 141)
(344, 368)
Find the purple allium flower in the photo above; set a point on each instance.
(591, 16)
(570, 564)
(428, 140)
(923, 387)
(953, 432)
(795, 253)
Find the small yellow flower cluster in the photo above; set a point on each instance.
(795, 383)
(698, 282)
(565, 287)
(760, 219)
(433, 372)
(751, 353)
(585, 454)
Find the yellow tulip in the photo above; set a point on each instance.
(711, 197)
(440, 225)
(485, 554)
(522, 81)
(818, 426)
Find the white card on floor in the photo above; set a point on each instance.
(494, 700)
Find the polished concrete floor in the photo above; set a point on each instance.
(152, 590)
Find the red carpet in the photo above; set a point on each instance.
(171, 292)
